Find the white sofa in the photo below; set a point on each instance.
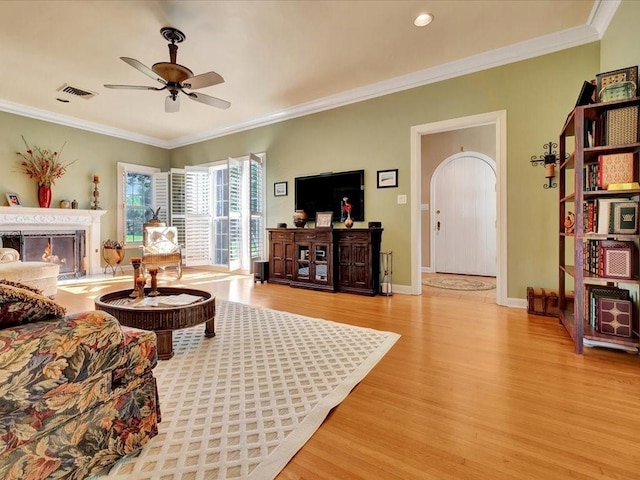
(40, 275)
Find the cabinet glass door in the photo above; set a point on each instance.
(320, 255)
(302, 258)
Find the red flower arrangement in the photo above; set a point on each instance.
(43, 164)
(346, 207)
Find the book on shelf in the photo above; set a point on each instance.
(615, 316)
(610, 216)
(591, 294)
(616, 259)
(615, 168)
(609, 258)
(621, 126)
(624, 217)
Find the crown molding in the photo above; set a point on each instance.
(68, 121)
(601, 15)
(599, 19)
(569, 38)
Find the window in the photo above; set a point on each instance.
(136, 192)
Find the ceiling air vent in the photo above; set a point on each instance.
(76, 92)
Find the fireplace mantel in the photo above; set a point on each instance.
(58, 219)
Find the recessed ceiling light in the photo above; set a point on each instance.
(423, 20)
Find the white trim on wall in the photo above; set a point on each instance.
(597, 23)
(499, 120)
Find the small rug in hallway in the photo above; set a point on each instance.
(451, 283)
(241, 404)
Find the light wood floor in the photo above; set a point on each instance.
(470, 391)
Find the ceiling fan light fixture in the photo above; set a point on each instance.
(423, 20)
(172, 104)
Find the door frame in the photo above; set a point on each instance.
(499, 119)
(452, 158)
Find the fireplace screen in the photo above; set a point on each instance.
(67, 249)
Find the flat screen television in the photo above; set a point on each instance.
(324, 193)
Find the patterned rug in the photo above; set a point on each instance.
(456, 283)
(241, 404)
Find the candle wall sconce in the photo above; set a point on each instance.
(549, 160)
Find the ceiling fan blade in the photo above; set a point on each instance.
(172, 104)
(143, 68)
(203, 80)
(133, 87)
(208, 100)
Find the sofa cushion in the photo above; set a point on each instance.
(11, 283)
(19, 306)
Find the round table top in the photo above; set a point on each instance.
(121, 299)
(160, 318)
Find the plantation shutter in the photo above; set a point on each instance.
(160, 195)
(197, 216)
(235, 214)
(256, 208)
(178, 202)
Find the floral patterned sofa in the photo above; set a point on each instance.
(77, 392)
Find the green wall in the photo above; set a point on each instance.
(375, 134)
(95, 154)
(537, 95)
(619, 45)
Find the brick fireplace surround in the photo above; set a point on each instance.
(28, 219)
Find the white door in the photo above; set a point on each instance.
(463, 217)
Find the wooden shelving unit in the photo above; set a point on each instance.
(572, 197)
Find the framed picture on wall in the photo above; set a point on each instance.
(280, 189)
(388, 178)
(13, 200)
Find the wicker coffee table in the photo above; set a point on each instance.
(162, 320)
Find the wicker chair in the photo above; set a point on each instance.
(161, 249)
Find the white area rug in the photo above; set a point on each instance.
(241, 404)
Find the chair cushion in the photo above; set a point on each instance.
(19, 306)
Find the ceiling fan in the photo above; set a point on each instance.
(176, 78)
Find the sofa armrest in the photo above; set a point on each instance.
(38, 359)
(9, 255)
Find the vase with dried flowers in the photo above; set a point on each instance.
(45, 166)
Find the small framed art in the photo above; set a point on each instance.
(324, 219)
(280, 189)
(387, 178)
(608, 83)
(14, 200)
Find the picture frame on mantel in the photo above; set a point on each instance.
(388, 178)
(280, 189)
(13, 199)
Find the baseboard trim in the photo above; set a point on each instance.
(517, 302)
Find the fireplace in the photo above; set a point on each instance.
(53, 222)
(67, 249)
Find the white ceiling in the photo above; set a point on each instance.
(280, 59)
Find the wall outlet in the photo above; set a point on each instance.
(402, 199)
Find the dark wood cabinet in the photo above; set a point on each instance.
(314, 259)
(281, 256)
(345, 260)
(358, 260)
